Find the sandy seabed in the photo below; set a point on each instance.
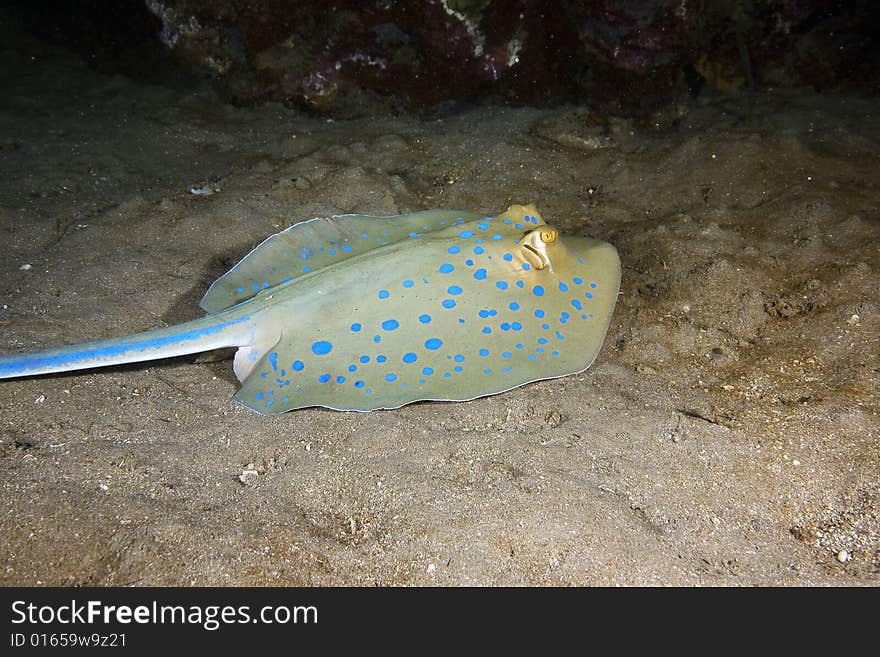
(726, 435)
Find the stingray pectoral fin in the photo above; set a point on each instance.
(292, 375)
(268, 380)
(603, 266)
(309, 246)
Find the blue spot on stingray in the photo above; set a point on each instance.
(560, 336)
(593, 285)
(577, 280)
(539, 313)
(454, 249)
(546, 327)
(483, 225)
(298, 365)
(384, 294)
(287, 279)
(501, 285)
(365, 236)
(355, 327)
(346, 247)
(507, 221)
(479, 240)
(466, 234)
(358, 384)
(479, 250)
(459, 358)
(589, 295)
(507, 257)
(427, 371)
(273, 360)
(514, 305)
(497, 237)
(255, 287)
(381, 358)
(364, 359)
(505, 326)
(240, 290)
(377, 339)
(433, 343)
(449, 303)
(577, 304)
(340, 379)
(520, 345)
(461, 320)
(563, 318)
(385, 233)
(321, 348)
(307, 269)
(516, 326)
(258, 396)
(581, 260)
(538, 290)
(390, 377)
(425, 319)
(480, 274)
(332, 251)
(454, 289)
(484, 314)
(520, 284)
(352, 368)
(484, 352)
(506, 354)
(469, 262)
(487, 371)
(555, 353)
(324, 378)
(410, 358)
(446, 268)
(414, 234)
(458, 368)
(390, 324)
(408, 283)
(542, 340)
(518, 226)
(563, 287)
(487, 330)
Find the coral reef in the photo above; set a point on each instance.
(624, 57)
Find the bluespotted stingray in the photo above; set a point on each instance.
(363, 313)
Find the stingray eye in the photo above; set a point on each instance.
(549, 236)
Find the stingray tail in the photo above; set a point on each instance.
(205, 334)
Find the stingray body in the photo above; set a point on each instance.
(363, 313)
